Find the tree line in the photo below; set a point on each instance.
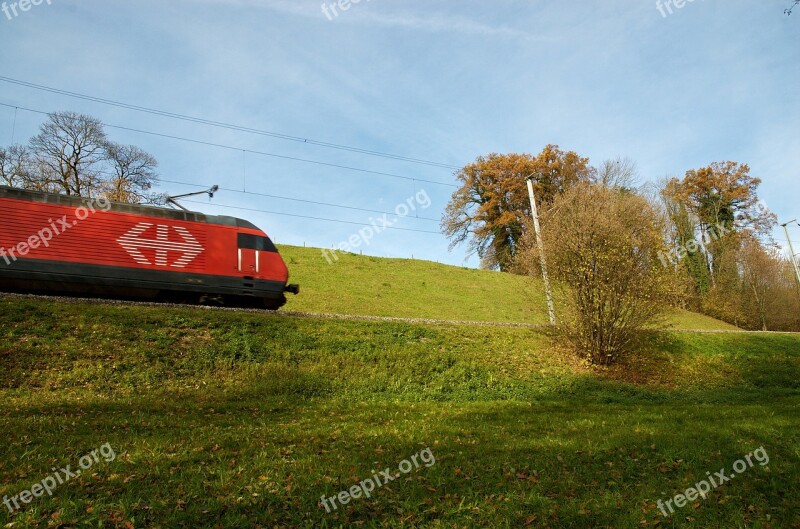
(72, 155)
(623, 254)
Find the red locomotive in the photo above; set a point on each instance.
(56, 243)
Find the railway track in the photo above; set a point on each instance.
(329, 316)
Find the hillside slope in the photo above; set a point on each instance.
(375, 286)
(240, 419)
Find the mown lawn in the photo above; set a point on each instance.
(222, 419)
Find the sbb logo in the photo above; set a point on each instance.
(147, 236)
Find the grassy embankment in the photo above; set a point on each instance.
(223, 419)
(375, 286)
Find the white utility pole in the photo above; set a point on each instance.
(550, 308)
(791, 251)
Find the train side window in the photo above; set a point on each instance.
(256, 242)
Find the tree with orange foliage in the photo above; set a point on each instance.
(761, 271)
(732, 230)
(491, 209)
(723, 199)
(725, 195)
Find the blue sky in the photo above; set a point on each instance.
(444, 81)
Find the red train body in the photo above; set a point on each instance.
(56, 243)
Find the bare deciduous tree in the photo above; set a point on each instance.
(15, 165)
(72, 155)
(620, 172)
(69, 149)
(134, 174)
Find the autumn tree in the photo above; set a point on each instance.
(682, 230)
(722, 234)
(722, 200)
(603, 245)
(491, 209)
(785, 315)
(724, 197)
(761, 274)
(762, 293)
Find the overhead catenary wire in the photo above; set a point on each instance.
(338, 221)
(279, 197)
(16, 108)
(244, 151)
(310, 217)
(258, 153)
(305, 201)
(230, 126)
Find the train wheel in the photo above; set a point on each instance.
(274, 304)
(213, 301)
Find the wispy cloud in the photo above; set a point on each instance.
(365, 14)
(440, 23)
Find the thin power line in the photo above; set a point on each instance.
(273, 155)
(309, 217)
(259, 153)
(230, 126)
(279, 197)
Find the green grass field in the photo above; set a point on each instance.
(242, 420)
(374, 286)
(222, 419)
